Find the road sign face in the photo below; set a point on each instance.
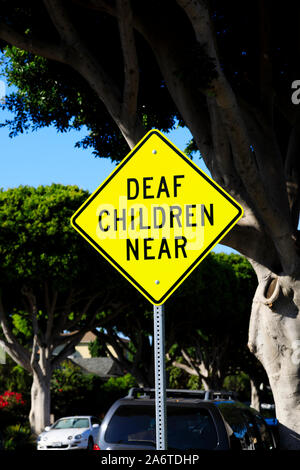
(156, 217)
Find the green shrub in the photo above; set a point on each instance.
(17, 437)
(119, 384)
(73, 392)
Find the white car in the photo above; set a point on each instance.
(71, 433)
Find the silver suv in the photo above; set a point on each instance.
(197, 420)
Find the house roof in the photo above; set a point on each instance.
(102, 366)
(88, 337)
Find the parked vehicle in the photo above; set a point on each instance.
(197, 420)
(70, 433)
(267, 410)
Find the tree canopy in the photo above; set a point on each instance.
(206, 326)
(168, 61)
(53, 288)
(212, 308)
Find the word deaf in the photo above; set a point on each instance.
(156, 217)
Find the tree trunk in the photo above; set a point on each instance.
(255, 400)
(274, 337)
(212, 382)
(39, 416)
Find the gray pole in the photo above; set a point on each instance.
(160, 377)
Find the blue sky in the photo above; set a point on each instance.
(45, 156)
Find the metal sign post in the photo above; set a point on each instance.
(160, 377)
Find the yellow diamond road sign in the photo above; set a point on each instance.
(156, 217)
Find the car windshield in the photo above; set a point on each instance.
(69, 423)
(188, 427)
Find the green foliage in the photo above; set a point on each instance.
(194, 383)
(212, 307)
(124, 383)
(216, 298)
(191, 148)
(67, 377)
(19, 437)
(42, 245)
(74, 392)
(21, 324)
(179, 379)
(14, 377)
(38, 248)
(42, 254)
(49, 93)
(53, 93)
(240, 382)
(96, 348)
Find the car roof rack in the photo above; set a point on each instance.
(143, 392)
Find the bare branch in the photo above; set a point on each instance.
(71, 324)
(11, 345)
(34, 359)
(292, 172)
(68, 349)
(99, 5)
(61, 20)
(223, 169)
(65, 311)
(32, 44)
(131, 68)
(71, 340)
(33, 313)
(50, 306)
(13, 351)
(189, 360)
(87, 64)
(113, 339)
(37, 343)
(82, 58)
(189, 370)
(189, 366)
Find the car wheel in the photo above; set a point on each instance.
(90, 444)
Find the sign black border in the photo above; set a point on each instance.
(202, 255)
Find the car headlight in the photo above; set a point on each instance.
(78, 436)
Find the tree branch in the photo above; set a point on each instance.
(50, 306)
(277, 223)
(266, 72)
(68, 349)
(110, 338)
(292, 172)
(131, 67)
(84, 61)
(189, 370)
(11, 344)
(32, 44)
(99, 5)
(222, 168)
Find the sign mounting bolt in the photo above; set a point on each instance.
(154, 152)
(156, 282)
